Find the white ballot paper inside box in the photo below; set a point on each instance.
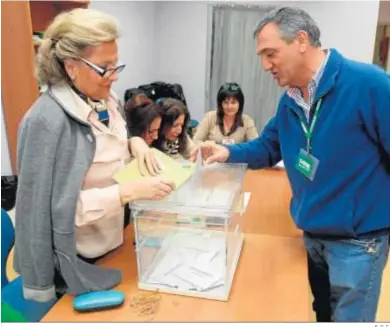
(198, 265)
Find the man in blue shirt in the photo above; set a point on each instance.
(332, 130)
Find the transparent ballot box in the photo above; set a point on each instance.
(190, 242)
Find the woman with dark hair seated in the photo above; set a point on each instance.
(143, 118)
(173, 138)
(228, 124)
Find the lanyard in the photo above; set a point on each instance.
(101, 109)
(309, 132)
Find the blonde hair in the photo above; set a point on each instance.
(67, 37)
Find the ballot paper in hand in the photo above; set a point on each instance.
(172, 170)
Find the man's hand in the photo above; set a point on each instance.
(211, 152)
(145, 157)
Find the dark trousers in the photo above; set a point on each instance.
(320, 287)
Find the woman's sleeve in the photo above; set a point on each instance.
(98, 203)
(203, 130)
(37, 145)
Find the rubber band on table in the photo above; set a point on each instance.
(146, 304)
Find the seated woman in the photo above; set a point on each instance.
(173, 138)
(228, 124)
(69, 209)
(143, 118)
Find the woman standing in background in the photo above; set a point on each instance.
(228, 124)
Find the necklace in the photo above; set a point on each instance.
(100, 107)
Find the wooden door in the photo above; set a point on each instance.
(19, 87)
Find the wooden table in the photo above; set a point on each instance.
(270, 283)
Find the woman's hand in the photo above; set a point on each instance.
(147, 188)
(145, 157)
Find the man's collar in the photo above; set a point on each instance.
(331, 70)
(319, 72)
(316, 77)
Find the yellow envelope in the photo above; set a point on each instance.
(172, 170)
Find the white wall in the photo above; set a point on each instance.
(137, 43)
(347, 26)
(181, 56)
(182, 36)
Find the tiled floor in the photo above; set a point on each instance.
(384, 302)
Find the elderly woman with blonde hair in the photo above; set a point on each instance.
(72, 141)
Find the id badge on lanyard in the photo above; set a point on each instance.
(307, 164)
(227, 141)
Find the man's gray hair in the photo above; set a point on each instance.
(290, 21)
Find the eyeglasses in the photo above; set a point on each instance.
(104, 72)
(230, 87)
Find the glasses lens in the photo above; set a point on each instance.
(120, 68)
(109, 72)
